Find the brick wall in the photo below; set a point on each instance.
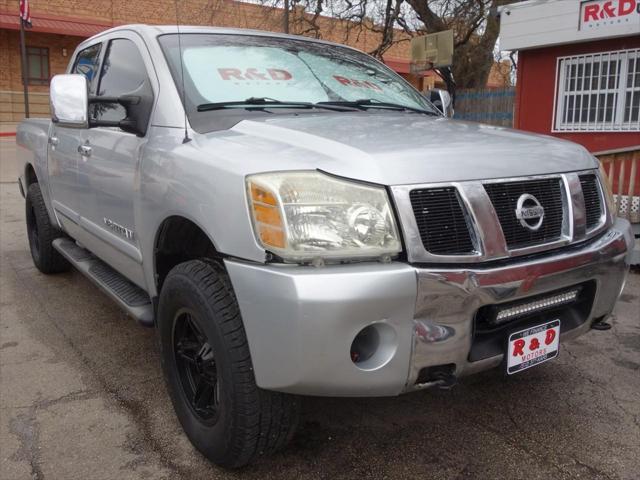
(11, 99)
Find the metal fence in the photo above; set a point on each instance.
(492, 106)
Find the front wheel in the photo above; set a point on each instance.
(208, 370)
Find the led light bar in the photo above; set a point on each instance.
(536, 306)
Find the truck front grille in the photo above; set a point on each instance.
(592, 202)
(441, 221)
(474, 221)
(504, 197)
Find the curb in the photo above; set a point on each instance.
(7, 134)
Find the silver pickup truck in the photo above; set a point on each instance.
(295, 219)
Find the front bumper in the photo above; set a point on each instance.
(301, 321)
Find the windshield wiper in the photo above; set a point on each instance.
(365, 103)
(263, 102)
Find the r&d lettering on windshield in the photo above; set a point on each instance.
(254, 74)
(352, 82)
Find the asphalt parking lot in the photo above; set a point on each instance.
(82, 396)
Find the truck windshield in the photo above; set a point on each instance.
(225, 72)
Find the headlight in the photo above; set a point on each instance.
(302, 216)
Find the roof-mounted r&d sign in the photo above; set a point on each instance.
(609, 14)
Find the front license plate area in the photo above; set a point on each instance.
(532, 346)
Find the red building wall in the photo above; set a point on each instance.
(535, 90)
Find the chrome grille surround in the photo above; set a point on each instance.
(592, 193)
(486, 231)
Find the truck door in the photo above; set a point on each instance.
(110, 161)
(63, 155)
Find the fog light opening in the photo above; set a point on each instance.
(365, 345)
(373, 346)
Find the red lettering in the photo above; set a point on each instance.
(535, 344)
(372, 85)
(253, 74)
(626, 7)
(607, 10)
(228, 73)
(342, 80)
(352, 82)
(550, 337)
(591, 12)
(518, 347)
(277, 74)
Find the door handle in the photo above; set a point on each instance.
(84, 150)
(53, 141)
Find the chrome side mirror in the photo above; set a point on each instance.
(442, 100)
(69, 97)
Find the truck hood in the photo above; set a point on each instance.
(395, 149)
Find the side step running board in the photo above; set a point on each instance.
(130, 297)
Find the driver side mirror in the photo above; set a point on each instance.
(69, 98)
(442, 100)
(70, 101)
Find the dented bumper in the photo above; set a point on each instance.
(301, 321)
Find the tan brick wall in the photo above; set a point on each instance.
(11, 77)
(11, 100)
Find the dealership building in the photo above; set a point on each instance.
(578, 78)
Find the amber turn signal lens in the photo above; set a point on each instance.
(271, 236)
(267, 214)
(259, 194)
(267, 218)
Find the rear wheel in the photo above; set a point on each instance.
(42, 233)
(207, 367)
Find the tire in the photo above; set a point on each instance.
(202, 340)
(41, 233)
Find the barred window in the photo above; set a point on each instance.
(598, 92)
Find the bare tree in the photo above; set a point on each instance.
(476, 27)
(474, 23)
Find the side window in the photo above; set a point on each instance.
(123, 72)
(87, 62)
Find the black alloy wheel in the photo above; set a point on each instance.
(196, 365)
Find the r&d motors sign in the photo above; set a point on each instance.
(609, 14)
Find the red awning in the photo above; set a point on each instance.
(54, 24)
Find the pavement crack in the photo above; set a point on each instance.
(592, 470)
(604, 388)
(134, 410)
(25, 427)
(69, 397)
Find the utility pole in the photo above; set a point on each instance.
(25, 69)
(286, 16)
